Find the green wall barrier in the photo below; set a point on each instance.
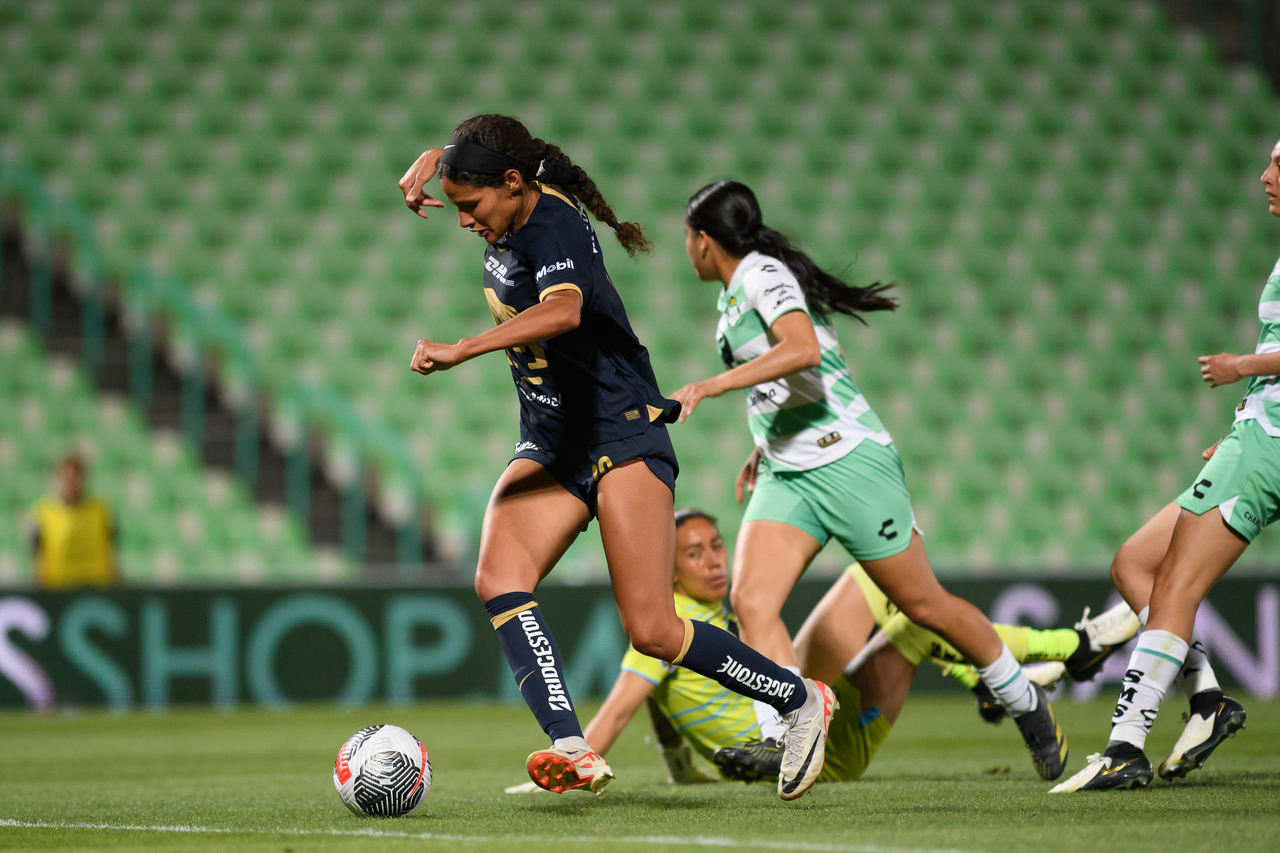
(276, 647)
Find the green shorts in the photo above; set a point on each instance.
(1242, 480)
(861, 499)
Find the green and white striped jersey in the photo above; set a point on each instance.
(807, 419)
(1262, 398)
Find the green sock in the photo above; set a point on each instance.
(1058, 644)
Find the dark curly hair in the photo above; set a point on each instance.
(509, 136)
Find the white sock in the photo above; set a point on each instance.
(571, 743)
(1153, 666)
(771, 725)
(1197, 673)
(1009, 683)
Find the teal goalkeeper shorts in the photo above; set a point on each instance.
(1242, 481)
(860, 499)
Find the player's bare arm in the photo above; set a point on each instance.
(797, 349)
(560, 312)
(626, 697)
(1225, 367)
(422, 171)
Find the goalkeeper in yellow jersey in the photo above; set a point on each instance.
(871, 673)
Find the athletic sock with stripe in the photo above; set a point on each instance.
(725, 659)
(535, 662)
(1196, 675)
(1008, 682)
(1153, 666)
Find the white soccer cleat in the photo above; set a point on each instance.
(559, 769)
(1112, 627)
(1047, 673)
(1201, 736)
(1101, 636)
(805, 741)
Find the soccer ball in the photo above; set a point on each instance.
(382, 771)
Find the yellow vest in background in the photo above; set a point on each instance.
(75, 546)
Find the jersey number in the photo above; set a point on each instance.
(539, 361)
(502, 313)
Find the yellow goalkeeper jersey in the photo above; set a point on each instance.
(708, 715)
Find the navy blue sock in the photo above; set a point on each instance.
(535, 662)
(724, 658)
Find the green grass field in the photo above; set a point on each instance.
(202, 780)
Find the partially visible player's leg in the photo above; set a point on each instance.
(769, 558)
(779, 537)
(909, 582)
(872, 690)
(835, 630)
(530, 521)
(1201, 550)
(637, 528)
(1134, 568)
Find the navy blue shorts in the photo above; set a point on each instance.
(580, 472)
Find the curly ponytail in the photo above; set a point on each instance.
(728, 212)
(545, 163)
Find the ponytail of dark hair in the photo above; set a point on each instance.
(510, 137)
(728, 213)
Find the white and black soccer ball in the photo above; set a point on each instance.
(382, 771)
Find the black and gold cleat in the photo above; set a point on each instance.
(1044, 737)
(1123, 766)
(989, 707)
(1213, 719)
(755, 761)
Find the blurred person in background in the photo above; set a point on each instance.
(72, 534)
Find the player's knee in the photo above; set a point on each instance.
(925, 613)
(654, 638)
(487, 585)
(749, 608)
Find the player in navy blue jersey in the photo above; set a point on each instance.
(593, 444)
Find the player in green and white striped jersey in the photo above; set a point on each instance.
(1165, 569)
(824, 465)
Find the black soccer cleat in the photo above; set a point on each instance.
(1122, 767)
(1044, 737)
(1209, 724)
(756, 761)
(989, 707)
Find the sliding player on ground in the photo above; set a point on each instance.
(872, 681)
(1165, 569)
(593, 444)
(824, 465)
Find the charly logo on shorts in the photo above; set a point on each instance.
(527, 445)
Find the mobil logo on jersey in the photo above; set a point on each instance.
(558, 266)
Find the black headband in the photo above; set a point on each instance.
(466, 155)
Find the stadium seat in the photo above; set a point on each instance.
(1009, 168)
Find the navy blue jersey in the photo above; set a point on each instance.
(589, 385)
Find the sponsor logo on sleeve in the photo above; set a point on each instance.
(558, 266)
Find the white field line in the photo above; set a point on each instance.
(659, 840)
